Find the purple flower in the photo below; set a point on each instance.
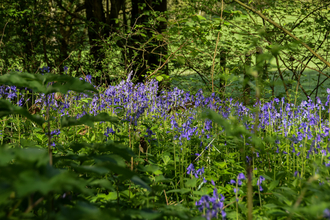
(109, 131)
(54, 132)
(241, 176)
(326, 212)
(190, 168)
(212, 206)
(149, 132)
(65, 68)
(260, 180)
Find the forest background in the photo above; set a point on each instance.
(199, 44)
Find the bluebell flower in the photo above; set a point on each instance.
(109, 131)
(326, 214)
(232, 182)
(190, 168)
(259, 181)
(213, 207)
(212, 182)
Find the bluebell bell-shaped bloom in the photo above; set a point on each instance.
(259, 181)
(109, 131)
(326, 214)
(212, 206)
(241, 176)
(232, 182)
(212, 182)
(190, 169)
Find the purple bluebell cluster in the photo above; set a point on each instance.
(212, 206)
(259, 182)
(326, 214)
(8, 92)
(196, 173)
(239, 182)
(109, 131)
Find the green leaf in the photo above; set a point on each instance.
(270, 206)
(200, 17)
(162, 19)
(191, 183)
(153, 169)
(103, 183)
(39, 83)
(182, 191)
(150, 214)
(159, 78)
(87, 120)
(137, 180)
(273, 184)
(7, 108)
(282, 198)
(90, 169)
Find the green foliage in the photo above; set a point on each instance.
(32, 188)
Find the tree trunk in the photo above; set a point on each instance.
(96, 14)
(151, 56)
(262, 67)
(223, 62)
(247, 78)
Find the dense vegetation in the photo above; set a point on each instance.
(187, 110)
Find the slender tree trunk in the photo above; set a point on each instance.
(223, 62)
(247, 79)
(150, 57)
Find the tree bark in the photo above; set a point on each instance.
(247, 78)
(150, 56)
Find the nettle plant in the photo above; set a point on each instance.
(79, 154)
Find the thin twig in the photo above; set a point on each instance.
(166, 197)
(3, 32)
(166, 61)
(34, 205)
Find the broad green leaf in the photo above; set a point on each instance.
(270, 206)
(153, 169)
(7, 108)
(161, 19)
(103, 183)
(190, 183)
(273, 184)
(200, 17)
(87, 120)
(283, 198)
(159, 78)
(137, 180)
(182, 191)
(39, 83)
(150, 214)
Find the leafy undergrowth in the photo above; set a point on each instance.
(124, 152)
